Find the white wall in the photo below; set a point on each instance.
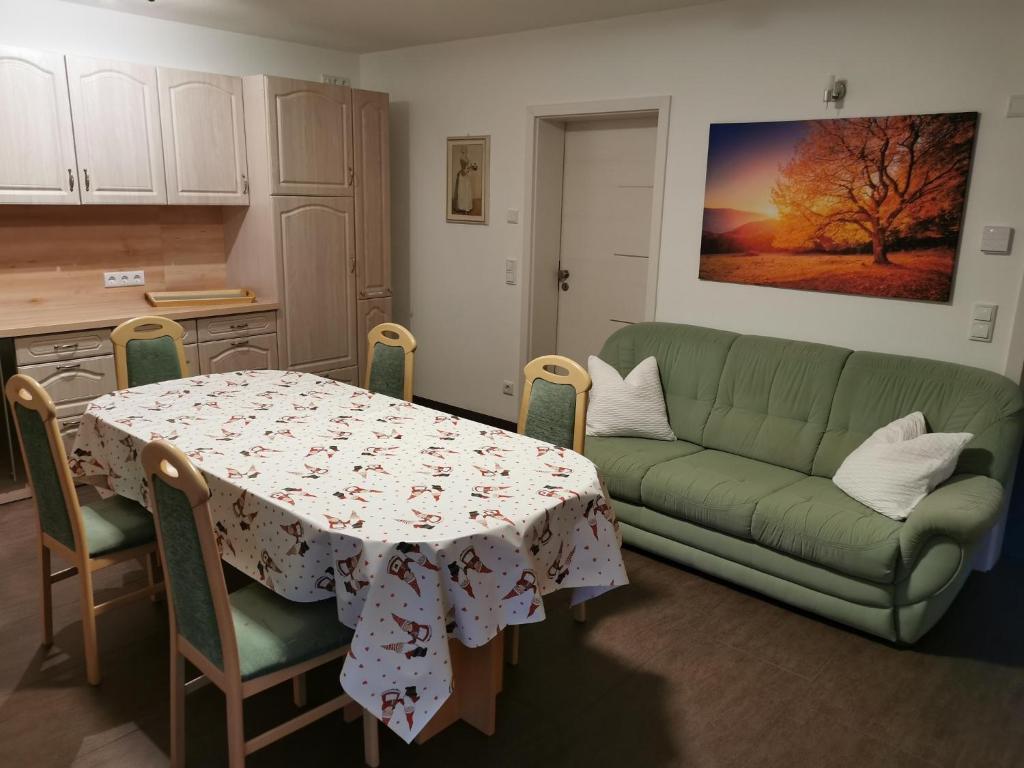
(731, 61)
(86, 31)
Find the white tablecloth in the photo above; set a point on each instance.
(425, 526)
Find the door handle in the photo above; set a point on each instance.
(563, 279)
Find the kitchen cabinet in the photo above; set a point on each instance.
(310, 138)
(244, 354)
(37, 146)
(315, 240)
(373, 196)
(203, 138)
(116, 116)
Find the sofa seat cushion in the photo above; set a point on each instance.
(714, 489)
(815, 521)
(623, 461)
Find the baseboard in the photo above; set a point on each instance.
(463, 413)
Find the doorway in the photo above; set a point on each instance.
(595, 224)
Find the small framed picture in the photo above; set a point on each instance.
(468, 179)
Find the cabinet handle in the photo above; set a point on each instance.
(68, 366)
(71, 180)
(245, 185)
(352, 264)
(239, 343)
(239, 326)
(65, 347)
(351, 176)
(72, 424)
(85, 172)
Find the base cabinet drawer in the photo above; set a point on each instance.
(191, 334)
(345, 375)
(51, 347)
(73, 384)
(246, 354)
(233, 326)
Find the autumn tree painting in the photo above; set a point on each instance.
(869, 205)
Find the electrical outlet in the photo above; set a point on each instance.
(334, 79)
(124, 279)
(508, 388)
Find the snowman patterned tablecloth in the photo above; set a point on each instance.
(425, 526)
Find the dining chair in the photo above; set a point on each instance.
(88, 536)
(553, 408)
(243, 642)
(147, 350)
(390, 355)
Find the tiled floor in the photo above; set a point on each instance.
(674, 670)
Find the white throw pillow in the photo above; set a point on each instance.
(630, 407)
(899, 465)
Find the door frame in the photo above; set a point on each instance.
(610, 108)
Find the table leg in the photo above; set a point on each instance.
(477, 678)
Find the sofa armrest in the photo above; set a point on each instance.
(962, 509)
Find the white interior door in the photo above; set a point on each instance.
(607, 196)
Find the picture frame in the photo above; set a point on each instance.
(467, 169)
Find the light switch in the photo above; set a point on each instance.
(511, 271)
(984, 312)
(981, 331)
(512, 216)
(996, 239)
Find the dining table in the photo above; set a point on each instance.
(432, 532)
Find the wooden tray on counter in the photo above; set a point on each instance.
(199, 298)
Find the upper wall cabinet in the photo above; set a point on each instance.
(37, 148)
(373, 201)
(310, 138)
(203, 138)
(116, 114)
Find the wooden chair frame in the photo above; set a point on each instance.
(162, 460)
(401, 338)
(144, 328)
(25, 391)
(576, 377)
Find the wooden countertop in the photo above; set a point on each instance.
(28, 320)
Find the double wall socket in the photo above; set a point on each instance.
(124, 279)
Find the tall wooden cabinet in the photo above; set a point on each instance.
(316, 234)
(37, 146)
(116, 113)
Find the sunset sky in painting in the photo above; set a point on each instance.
(744, 160)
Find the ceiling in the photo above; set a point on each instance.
(362, 26)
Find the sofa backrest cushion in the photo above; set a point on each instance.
(774, 399)
(690, 362)
(875, 389)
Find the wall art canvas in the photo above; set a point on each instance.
(870, 206)
(468, 159)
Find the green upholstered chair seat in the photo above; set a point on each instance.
(151, 361)
(624, 461)
(387, 373)
(115, 524)
(715, 489)
(274, 632)
(815, 521)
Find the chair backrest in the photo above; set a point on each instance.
(147, 350)
(35, 419)
(179, 498)
(554, 404)
(390, 352)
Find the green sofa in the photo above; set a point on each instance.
(746, 493)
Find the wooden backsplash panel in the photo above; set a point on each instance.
(57, 255)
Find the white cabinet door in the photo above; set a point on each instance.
(315, 241)
(373, 200)
(203, 138)
(116, 113)
(310, 136)
(37, 147)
